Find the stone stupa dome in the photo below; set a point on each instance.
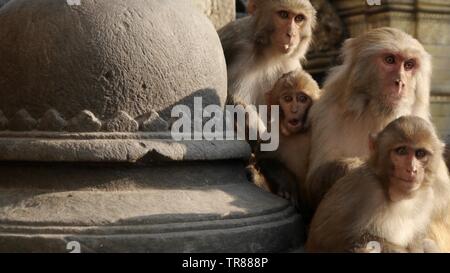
(109, 59)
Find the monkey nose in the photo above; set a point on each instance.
(399, 82)
(412, 171)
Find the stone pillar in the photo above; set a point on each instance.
(220, 12)
(428, 21)
(86, 152)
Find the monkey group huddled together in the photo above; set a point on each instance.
(360, 158)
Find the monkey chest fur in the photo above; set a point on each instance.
(402, 222)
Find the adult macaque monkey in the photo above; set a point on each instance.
(260, 48)
(385, 74)
(390, 199)
(295, 92)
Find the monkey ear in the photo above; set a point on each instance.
(372, 142)
(251, 7)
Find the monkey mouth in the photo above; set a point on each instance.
(393, 98)
(396, 92)
(295, 123)
(408, 182)
(286, 47)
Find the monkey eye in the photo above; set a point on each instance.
(401, 151)
(287, 98)
(300, 18)
(283, 14)
(303, 98)
(390, 59)
(410, 65)
(421, 153)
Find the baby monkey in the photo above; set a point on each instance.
(388, 200)
(284, 169)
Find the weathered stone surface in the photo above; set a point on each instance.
(440, 111)
(84, 122)
(22, 121)
(3, 121)
(197, 207)
(154, 123)
(330, 29)
(117, 150)
(52, 121)
(328, 37)
(142, 55)
(220, 12)
(122, 122)
(2, 2)
(122, 190)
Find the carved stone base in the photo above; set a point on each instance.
(188, 207)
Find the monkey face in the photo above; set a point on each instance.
(294, 106)
(396, 73)
(408, 167)
(287, 28)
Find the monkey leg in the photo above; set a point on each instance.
(281, 180)
(324, 177)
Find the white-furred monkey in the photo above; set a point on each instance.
(390, 199)
(284, 170)
(260, 48)
(385, 74)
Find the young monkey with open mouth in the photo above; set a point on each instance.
(283, 171)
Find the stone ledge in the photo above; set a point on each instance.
(119, 150)
(187, 207)
(263, 238)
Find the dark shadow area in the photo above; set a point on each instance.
(55, 177)
(447, 155)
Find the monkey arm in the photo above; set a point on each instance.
(281, 181)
